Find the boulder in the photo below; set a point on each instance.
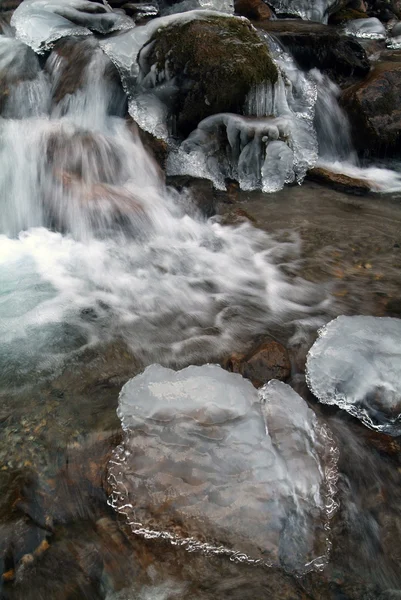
(201, 193)
(373, 106)
(214, 62)
(314, 45)
(253, 9)
(339, 181)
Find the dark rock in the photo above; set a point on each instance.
(140, 10)
(346, 14)
(314, 45)
(373, 107)
(253, 9)
(215, 61)
(268, 361)
(338, 181)
(8, 5)
(201, 191)
(155, 146)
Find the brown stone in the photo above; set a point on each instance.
(338, 181)
(253, 9)
(268, 361)
(373, 106)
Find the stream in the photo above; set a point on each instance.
(107, 266)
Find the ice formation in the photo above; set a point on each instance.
(40, 23)
(272, 145)
(356, 364)
(211, 464)
(309, 10)
(370, 28)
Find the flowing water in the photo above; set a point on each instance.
(104, 270)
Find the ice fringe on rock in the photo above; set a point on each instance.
(211, 464)
(40, 23)
(272, 145)
(309, 10)
(371, 29)
(356, 364)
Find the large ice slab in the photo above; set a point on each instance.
(40, 23)
(211, 464)
(356, 364)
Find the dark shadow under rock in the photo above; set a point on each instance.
(314, 45)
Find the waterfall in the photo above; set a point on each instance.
(94, 247)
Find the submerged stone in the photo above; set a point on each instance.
(356, 364)
(210, 464)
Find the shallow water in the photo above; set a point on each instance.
(104, 270)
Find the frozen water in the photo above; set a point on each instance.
(309, 10)
(242, 148)
(209, 463)
(356, 364)
(274, 144)
(370, 28)
(39, 23)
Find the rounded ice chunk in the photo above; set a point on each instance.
(211, 464)
(356, 364)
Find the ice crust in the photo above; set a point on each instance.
(40, 23)
(272, 145)
(371, 29)
(356, 364)
(211, 464)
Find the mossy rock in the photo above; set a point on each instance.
(346, 14)
(215, 60)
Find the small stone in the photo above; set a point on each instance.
(341, 182)
(9, 575)
(253, 9)
(269, 361)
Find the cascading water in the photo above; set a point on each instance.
(103, 250)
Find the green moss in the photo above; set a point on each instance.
(216, 62)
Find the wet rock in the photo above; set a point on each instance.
(320, 46)
(157, 147)
(139, 11)
(374, 110)
(202, 194)
(268, 361)
(9, 5)
(338, 181)
(68, 64)
(253, 9)
(215, 61)
(346, 14)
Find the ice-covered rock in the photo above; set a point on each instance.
(250, 150)
(274, 144)
(371, 29)
(39, 23)
(310, 10)
(211, 464)
(356, 364)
